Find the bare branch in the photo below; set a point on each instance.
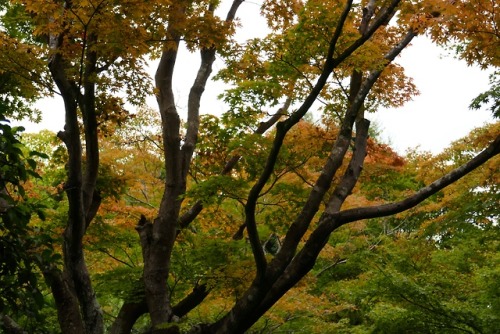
(339, 28)
(105, 251)
(351, 215)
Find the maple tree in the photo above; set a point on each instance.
(429, 270)
(19, 289)
(340, 54)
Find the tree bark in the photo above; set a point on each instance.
(128, 315)
(158, 240)
(79, 189)
(132, 310)
(260, 296)
(68, 312)
(10, 326)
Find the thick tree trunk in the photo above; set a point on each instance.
(68, 312)
(158, 239)
(79, 190)
(128, 315)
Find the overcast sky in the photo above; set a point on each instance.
(440, 114)
(435, 118)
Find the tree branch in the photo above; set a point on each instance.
(133, 309)
(381, 20)
(188, 216)
(10, 326)
(231, 14)
(350, 177)
(338, 29)
(128, 315)
(195, 94)
(193, 299)
(351, 215)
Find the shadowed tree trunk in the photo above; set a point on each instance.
(80, 183)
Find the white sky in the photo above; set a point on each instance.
(440, 114)
(435, 118)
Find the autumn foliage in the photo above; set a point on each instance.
(284, 212)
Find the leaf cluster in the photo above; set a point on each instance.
(20, 242)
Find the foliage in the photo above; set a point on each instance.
(491, 97)
(22, 78)
(469, 26)
(22, 247)
(429, 271)
(281, 214)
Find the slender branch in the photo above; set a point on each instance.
(339, 28)
(387, 13)
(332, 265)
(103, 250)
(303, 178)
(29, 76)
(442, 313)
(141, 201)
(188, 216)
(195, 94)
(351, 215)
(264, 126)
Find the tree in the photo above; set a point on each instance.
(430, 270)
(20, 294)
(21, 250)
(340, 54)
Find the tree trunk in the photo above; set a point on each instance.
(127, 317)
(158, 240)
(68, 312)
(78, 189)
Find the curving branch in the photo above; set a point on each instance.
(381, 20)
(10, 326)
(338, 29)
(351, 215)
(207, 59)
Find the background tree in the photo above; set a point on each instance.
(429, 270)
(21, 250)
